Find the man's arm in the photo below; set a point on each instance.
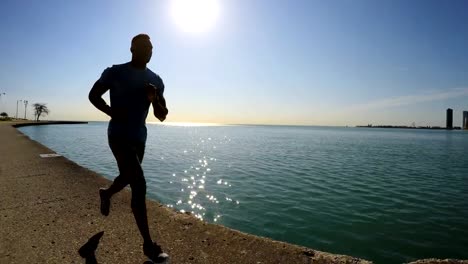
(95, 97)
(157, 100)
(159, 108)
(161, 100)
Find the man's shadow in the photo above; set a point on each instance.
(88, 250)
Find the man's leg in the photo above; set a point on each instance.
(139, 205)
(150, 249)
(120, 149)
(129, 159)
(138, 185)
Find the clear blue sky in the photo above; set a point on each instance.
(310, 62)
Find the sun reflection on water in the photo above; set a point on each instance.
(201, 181)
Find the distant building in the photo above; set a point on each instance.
(449, 119)
(465, 120)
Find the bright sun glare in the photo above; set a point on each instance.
(195, 15)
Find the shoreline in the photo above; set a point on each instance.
(50, 208)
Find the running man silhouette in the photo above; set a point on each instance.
(132, 87)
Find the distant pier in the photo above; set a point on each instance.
(411, 127)
(42, 123)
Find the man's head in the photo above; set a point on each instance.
(141, 48)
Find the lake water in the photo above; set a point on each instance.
(386, 195)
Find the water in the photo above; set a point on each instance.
(386, 195)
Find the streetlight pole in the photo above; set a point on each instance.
(17, 101)
(25, 107)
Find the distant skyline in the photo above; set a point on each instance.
(301, 62)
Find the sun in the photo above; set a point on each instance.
(195, 16)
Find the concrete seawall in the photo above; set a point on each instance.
(49, 208)
(43, 123)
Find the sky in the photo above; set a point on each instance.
(298, 62)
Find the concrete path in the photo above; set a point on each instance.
(49, 208)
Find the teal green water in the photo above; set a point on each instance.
(386, 195)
